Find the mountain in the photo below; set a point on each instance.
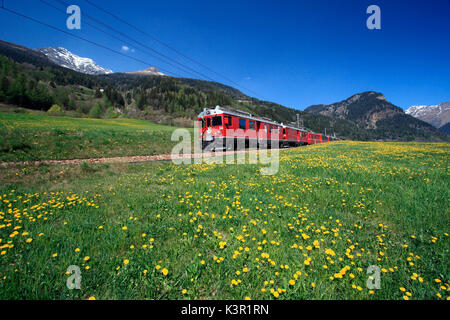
(22, 54)
(445, 128)
(365, 109)
(67, 59)
(152, 71)
(436, 115)
(29, 79)
(372, 112)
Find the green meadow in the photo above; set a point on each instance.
(158, 230)
(32, 136)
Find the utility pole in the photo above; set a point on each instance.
(325, 131)
(299, 121)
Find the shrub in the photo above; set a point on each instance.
(55, 110)
(110, 113)
(96, 111)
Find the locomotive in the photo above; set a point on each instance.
(222, 129)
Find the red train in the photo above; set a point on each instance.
(229, 130)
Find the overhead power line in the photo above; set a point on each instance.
(166, 45)
(140, 43)
(83, 39)
(179, 66)
(117, 38)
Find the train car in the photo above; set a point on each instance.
(293, 137)
(303, 137)
(222, 129)
(228, 130)
(314, 138)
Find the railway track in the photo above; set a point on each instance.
(126, 159)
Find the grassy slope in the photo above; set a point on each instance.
(35, 137)
(371, 203)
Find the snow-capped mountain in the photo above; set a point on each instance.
(152, 71)
(67, 59)
(436, 115)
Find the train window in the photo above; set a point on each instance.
(251, 125)
(284, 130)
(216, 121)
(208, 122)
(242, 124)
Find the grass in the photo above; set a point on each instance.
(215, 231)
(26, 136)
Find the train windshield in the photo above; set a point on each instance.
(216, 121)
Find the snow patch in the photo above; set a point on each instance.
(67, 59)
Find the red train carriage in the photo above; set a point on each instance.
(314, 138)
(225, 129)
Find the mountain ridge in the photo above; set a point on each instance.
(65, 58)
(351, 108)
(370, 110)
(151, 71)
(445, 128)
(436, 115)
(29, 79)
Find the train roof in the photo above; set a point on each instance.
(218, 110)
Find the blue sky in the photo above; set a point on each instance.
(296, 53)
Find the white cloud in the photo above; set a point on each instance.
(127, 49)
